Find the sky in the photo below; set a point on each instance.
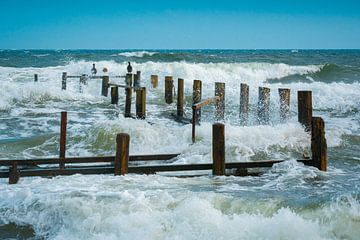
(186, 24)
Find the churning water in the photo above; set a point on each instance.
(288, 201)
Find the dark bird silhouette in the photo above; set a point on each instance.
(93, 70)
(129, 68)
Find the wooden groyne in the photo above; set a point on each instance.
(133, 84)
(119, 164)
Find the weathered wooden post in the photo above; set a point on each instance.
(197, 98)
(137, 79)
(114, 95)
(220, 102)
(14, 174)
(122, 154)
(154, 81)
(141, 102)
(128, 97)
(264, 105)
(63, 139)
(218, 153)
(180, 98)
(168, 89)
(318, 143)
(82, 81)
(63, 82)
(244, 103)
(193, 123)
(129, 79)
(136, 82)
(105, 86)
(284, 94)
(305, 109)
(35, 77)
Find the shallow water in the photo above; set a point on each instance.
(288, 201)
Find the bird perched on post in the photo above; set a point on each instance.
(93, 70)
(129, 68)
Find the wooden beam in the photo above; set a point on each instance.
(205, 102)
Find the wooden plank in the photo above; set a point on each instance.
(66, 171)
(205, 102)
(169, 168)
(144, 169)
(153, 157)
(35, 162)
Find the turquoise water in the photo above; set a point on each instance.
(288, 201)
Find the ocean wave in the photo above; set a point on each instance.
(42, 55)
(137, 54)
(82, 207)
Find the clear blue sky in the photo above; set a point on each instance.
(152, 24)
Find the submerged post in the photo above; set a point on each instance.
(35, 77)
(218, 143)
(141, 103)
(62, 139)
(220, 102)
(154, 81)
(318, 143)
(114, 95)
(197, 98)
(122, 154)
(128, 96)
(305, 109)
(14, 174)
(105, 86)
(168, 89)
(244, 103)
(284, 94)
(180, 98)
(63, 82)
(264, 105)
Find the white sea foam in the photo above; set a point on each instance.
(156, 207)
(138, 54)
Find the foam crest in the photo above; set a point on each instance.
(138, 54)
(70, 207)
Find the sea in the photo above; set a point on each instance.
(287, 201)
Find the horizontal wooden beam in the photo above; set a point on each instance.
(35, 162)
(204, 102)
(141, 169)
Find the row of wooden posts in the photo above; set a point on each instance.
(120, 162)
(132, 82)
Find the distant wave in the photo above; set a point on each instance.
(138, 54)
(41, 55)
